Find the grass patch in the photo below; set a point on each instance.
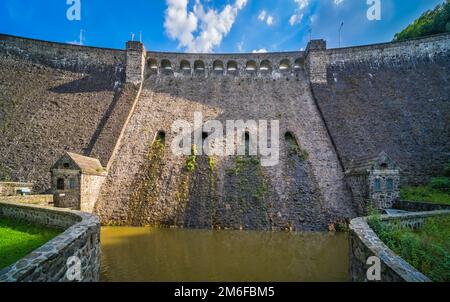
(427, 249)
(426, 194)
(19, 238)
(436, 191)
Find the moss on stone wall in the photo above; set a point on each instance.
(146, 188)
(247, 190)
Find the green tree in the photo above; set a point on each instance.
(431, 22)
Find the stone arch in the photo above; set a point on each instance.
(166, 65)
(299, 64)
(251, 66)
(199, 66)
(152, 66)
(285, 65)
(289, 136)
(218, 66)
(247, 143)
(160, 137)
(185, 66)
(293, 146)
(232, 67)
(265, 66)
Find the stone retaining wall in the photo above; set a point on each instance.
(48, 263)
(11, 188)
(364, 243)
(412, 206)
(42, 200)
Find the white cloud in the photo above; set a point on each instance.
(262, 50)
(265, 17)
(262, 15)
(302, 4)
(337, 2)
(240, 46)
(293, 19)
(298, 15)
(199, 30)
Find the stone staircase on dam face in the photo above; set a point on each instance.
(181, 198)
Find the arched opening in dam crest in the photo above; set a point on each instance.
(152, 66)
(185, 66)
(199, 66)
(166, 66)
(299, 64)
(265, 66)
(251, 66)
(285, 65)
(218, 67)
(232, 67)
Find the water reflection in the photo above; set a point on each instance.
(147, 254)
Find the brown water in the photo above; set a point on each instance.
(148, 254)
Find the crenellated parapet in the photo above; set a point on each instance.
(234, 65)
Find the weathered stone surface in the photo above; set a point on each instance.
(338, 104)
(48, 107)
(42, 200)
(293, 199)
(411, 206)
(390, 97)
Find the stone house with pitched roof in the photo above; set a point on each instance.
(374, 181)
(76, 181)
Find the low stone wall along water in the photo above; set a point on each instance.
(364, 243)
(72, 256)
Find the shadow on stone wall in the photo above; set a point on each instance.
(94, 82)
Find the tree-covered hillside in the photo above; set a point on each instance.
(432, 22)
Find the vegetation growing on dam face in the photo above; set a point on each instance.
(431, 22)
(436, 191)
(19, 238)
(427, 248)
(146, 188)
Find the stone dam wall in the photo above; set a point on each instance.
(63, 56)
(333, 106)
(299, 193)
(56, 98)
(390, 97)
(80, 238)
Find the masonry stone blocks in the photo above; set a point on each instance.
(329, 100)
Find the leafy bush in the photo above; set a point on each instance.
(437, 191)
(424, 194)
(432, 22)
(427, 249)
(440, 183)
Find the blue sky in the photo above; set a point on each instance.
(210, 25)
